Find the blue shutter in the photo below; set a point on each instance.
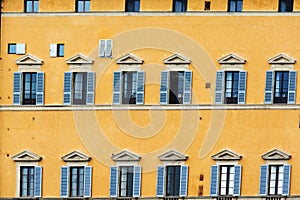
(140, 88)
(164, 89)
(113, 181)
(87, 181)
(160, 181)
(90, 95)
(263, 180)
(38, 181)
(101, 48)
(219, 87)
(40, 88)
(108, 48)
(269, 87)
(187, 87)
(117, 87)
(237, 180)
(214, 183)
(64, 181)
(242, 87)
(67, 88)
(137, 181)
(286, 179)
(292, 87)
(17, 88)
(183, 180)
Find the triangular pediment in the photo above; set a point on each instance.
(282, 59)
(79, 59)
(26, 156)
(226, 155)
(75, 156)
(29, 60)
(125, 156)
(172, 155)
(129, 59)
(177, 59)
(232, 59)
(276, 155)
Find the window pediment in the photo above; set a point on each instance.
(282, 59)
(129, 59)
(172, 155)
(177, 59)
(29, 60)
(276, 155)
(125, 156)
(75, 156)
(232, 59)
(79, 59)
(26, 156)
(226, 155)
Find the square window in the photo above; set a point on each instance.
(31, 6)
(235, 5)
(60, 50)
(83, 6)
(132, 6)
(179, 5)
(12, 48)
(286, 5)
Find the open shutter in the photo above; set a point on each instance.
(164, 81)
(53, 50)
(20, 48)
(237, 180)
(292, 87)
(87, 181)
(242, 87)
(68, 88)
(286, 179)
(263, 180)
(160, 181)
(184, 171)
(108, 48)
(269, 87)
(113, 181)
(187, 87)
(214, 174)
(101, 48)
(40, 88)
(117, 87)
(219, 87)
(38, 181)
(17, 88)
(137, 181)
(64, 182)
(140, 88)
(90, 94)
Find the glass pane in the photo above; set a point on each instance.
(78, 86)
(80, 6)
(36, 6)
(87, 6)
(28, 6)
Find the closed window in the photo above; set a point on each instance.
(126, 182)
(129, 87)
(82, 6)
(16, 48)
(105, 48)
(31, 6)
(179, 5)
(231, 87)
(30, 181)
(79, 89)
(286, 5)
(12, 48)
(226, 180)
(76, 179)
(132, 6)
(173, 180)
(29, 88)
(235, 5)
(276, 179)
(281, 86)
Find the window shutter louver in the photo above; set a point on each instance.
(237, 180)
(64, 182)
(108, 48)
(20, 48)
(160, 181)
(17, 88)
(286, 180)
(137, 181)
(242, 87)
(90, 94)
(292, 87)
(184, 170)
(117, 87)
(102, 48)
(87, 181)
(140, 87)
(40, 88)
(187, 87)
(269, 87)
(164, 90)
(113, 181)
(53, 50)
(38, 181)
(214, 175)
(68, 88)
(219, 87)
(263, 180)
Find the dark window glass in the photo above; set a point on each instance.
(27, 182)
(173, 180)
(235, 5)
(31, 6)
(79, 88)
(12, 48)
(275, 179)
(126, 182)
(132, 6)
(226, 180)
(286, 5)
(29, 88)
(129, 87)
(207, 5)
(82, 6)
(179, 5)
(60, 50)
(281, 86)
(176, 87)
(231, 87)
(76, 182)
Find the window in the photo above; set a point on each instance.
(235, 5)
(129, 87)
(57, 50)
(126, 181)
(132, 6)
(16, 48)
(179, 5)
(281, 86)
(207, 5)
(231, 87)
(173, 180)
(31, 6)
(286, 5)
(76, 179)
(12, 48)
(27, 181)
(105, 48)
(29, 88)
(226, 180)
(82, 5)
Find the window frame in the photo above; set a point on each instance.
(229, 179)
(12, 51)
(129, 174)
(32, 88)
(76, 181)
(288, 7)
(29, 181)
(86, 6)
(231, 92)
(281, 87)
(82, 90)
(173, 180)
(132, 5)
(183, 8)
(238, 6)
(34, 6)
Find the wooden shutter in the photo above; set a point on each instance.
(184, 171)
(164, 89)
(87, 181)
(101, 48)
(90, 95)
(160, 181)
(242, 87)
(137, 181)
(263, 180)
(20, 48)
(140, 87)
(286, 180)
(40, 88)
(187, 88)
(214, 183)
(269, 87)
(113, 181)
(53, 50)
(219, 93)
(108, 48)
(237, 180)
(292, 87)
(38, 181)
(68, 88)
(64, 182)
(117, 87)
(17, 92)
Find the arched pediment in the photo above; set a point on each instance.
(129, 59)
(26, 156)
(226, 155)
(75, 156)
(276, 154)
(29, 60)
(125, 156)
(282, 59)
(232, 58)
